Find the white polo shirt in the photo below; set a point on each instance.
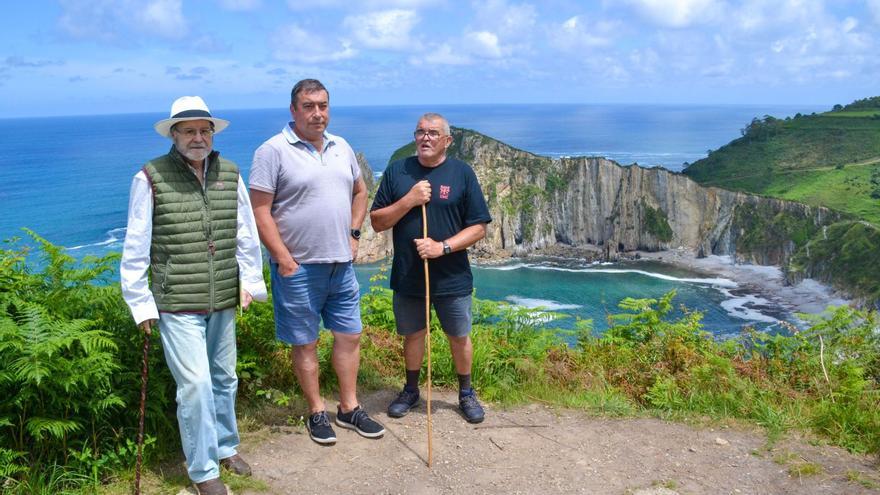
(313, 193)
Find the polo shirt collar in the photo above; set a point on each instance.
(292, 138)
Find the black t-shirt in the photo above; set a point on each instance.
(456, 202)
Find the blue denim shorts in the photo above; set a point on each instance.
(454, 313)
(315, 292)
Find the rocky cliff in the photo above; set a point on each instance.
(538, 203)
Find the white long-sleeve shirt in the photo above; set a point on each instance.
(136, 250)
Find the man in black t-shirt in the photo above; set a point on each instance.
(457, 218)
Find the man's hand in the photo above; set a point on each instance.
(354, 243)
(245, 298)
(429, 248)
(147, 327)
(288, 267)
(419, 194)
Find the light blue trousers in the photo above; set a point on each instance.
(200, 351)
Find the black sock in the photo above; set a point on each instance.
(412, 380)
(464, 383)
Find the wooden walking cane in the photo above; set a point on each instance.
(428, 332)
(140, 438)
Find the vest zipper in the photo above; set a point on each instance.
(211, 249)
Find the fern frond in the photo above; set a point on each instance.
(107, 402)
(57, 428)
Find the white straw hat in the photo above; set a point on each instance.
(188, 108)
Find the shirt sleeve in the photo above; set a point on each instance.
(247, 249)
(476, 209)
(384, 194)
(355, 166)
(264, 169)
(136, 252)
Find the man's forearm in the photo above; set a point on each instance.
(270, 237)
(385, 218)
(358, 208)
(467, 237)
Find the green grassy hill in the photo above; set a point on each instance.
(830, 159)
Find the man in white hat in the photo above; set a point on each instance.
(191, 225)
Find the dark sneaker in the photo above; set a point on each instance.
(211, 487)
(320, 429)
(359, 421)
(237, 465)
(405, 401)
(471, 408)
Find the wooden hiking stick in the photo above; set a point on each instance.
(140, 438)
(428, 332)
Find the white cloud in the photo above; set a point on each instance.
(678, 13)
(443, 54)
(166, 17)
(293, 43)
(363, 5)
(506, 20)
(576, 35)
(240, 5)
(130, 22)
(483, 44)
(389, 29)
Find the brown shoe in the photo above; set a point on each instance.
(237, 465)
(211, 487)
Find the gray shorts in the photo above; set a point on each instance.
(454, 313)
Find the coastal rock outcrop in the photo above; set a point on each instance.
(592, 202)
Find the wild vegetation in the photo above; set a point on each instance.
(69, 380)
(826, 159)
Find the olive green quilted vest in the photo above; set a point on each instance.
(192, 256)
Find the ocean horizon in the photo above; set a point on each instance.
(71, 186)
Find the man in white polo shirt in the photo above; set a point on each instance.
(309, 201)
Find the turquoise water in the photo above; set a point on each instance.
(593, 292)
(68, 178)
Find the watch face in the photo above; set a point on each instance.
(356, 233)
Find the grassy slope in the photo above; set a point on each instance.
(846, 189)
(831, 159)
(822, 160)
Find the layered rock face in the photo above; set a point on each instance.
(537, 202)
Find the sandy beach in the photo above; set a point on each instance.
(764, 285)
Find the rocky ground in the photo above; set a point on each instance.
(542, 449)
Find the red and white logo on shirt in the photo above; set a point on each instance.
(444, 192)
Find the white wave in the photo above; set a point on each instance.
(114, 236)
(737, 306)
(717, 282)
(531, 303)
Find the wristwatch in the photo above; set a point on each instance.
(446, 248)
(356, 234)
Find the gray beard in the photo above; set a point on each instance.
(195, 155)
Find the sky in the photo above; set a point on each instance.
(75, 57)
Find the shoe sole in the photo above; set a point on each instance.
(475, 420)
(322, 441)
(361, 432)
(404, 413)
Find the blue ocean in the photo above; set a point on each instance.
(68, 178)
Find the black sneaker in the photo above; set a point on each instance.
(405, 401)
(358, 419)
(320, 429)
(471, 408)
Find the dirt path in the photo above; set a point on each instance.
(538, 449)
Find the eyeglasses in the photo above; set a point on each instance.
(429, 133)
(192, 133)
